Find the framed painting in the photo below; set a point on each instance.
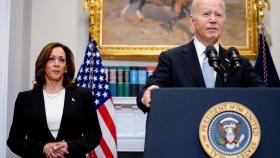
(128, 30)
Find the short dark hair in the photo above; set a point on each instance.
(43, 58)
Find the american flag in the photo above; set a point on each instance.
(92, 75)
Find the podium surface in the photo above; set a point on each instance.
(174, 119)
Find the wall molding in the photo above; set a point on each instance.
(5, 12)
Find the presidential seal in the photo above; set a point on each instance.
(229, 130)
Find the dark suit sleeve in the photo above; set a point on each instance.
(17, 140)
(92, 132)
(161, 77)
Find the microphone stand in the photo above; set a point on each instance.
(225, 72)
(232, 64)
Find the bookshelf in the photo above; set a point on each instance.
(130, 120)
(130, 123)
(121, 101)
(126, 81)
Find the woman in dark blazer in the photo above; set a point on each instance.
(55, 118)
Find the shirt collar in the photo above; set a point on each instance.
(200, 48)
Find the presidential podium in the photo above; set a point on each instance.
(173, 123)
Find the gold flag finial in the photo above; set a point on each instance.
(259, 6)
(85, 5)
(91, 5)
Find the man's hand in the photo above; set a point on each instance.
(56, 149)
(146, 100)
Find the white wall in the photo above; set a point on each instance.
(19, 55)
(54, 21)
(4, 50)
(273, 24)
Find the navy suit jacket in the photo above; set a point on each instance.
(179, 67)
(79, 124)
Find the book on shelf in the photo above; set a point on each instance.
(126, 81)
(126, 88)
(142, 77)
(106, 70)
(120, 79)
(133, 81)
(150, 70)
(112, 80)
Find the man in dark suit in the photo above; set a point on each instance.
(183, 66)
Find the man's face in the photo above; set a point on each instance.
(208, 21)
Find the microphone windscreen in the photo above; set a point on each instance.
(210, 50)
(232, 50)
(234, 57)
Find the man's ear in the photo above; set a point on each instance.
(192, 22)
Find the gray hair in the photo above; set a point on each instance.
(195, 3)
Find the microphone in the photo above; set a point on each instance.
(234, 58)
(213, 58)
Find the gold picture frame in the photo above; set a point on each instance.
(240, 24)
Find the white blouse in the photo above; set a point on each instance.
(54, 104)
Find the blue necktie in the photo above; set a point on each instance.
(208, 75)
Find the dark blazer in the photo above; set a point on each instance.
(179, 67)
(79, 125)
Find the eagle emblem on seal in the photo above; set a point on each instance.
(229, 133)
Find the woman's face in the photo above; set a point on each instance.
(56, 66)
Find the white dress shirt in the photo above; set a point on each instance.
(200, 48)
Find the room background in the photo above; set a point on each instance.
(31, 24)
